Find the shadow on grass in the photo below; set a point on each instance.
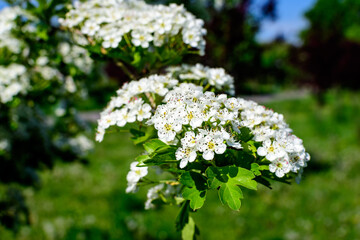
(317, 165)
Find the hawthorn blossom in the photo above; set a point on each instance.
(201, 124)
(111, 22)
(134, 176)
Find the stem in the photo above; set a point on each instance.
(213, 163)
(207, 86)
(127, 40)
(126, 70)
(118, 130)
(170, 182)
(151, 100)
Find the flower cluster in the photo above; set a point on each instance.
(136, 100)
(110, 22)
(214, 77)
(7, 24)
(13, 81)
(129, 105)
(205, 124)
(77, 56)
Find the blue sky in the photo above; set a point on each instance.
(290, 20)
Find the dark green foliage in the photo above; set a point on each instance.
(331, 45)
(231, 43)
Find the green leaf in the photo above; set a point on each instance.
(189, 231)
(230, 194)
(245, 134)
(244, 178)
(141, 137)
(162, 155)
(264, 167)
(183, 217)
(228, 179)
(249, 147)
(142, 158)
(193, 179)
(187, 180)
(137, 59)
(152, 145)
(255, 168)
(216, 177)
(196, 197)
(263, 181)
(136, 133)
(243, 159)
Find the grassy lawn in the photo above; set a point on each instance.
(89, 201)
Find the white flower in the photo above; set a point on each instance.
(280, 166)
(90, 28)
(111, 41)
(153, 194)
(144, 112)
(212, 142)
(141, 38)
(271, 150)
(134, 176)
(124, 116)
(185, 155)
(168, 128)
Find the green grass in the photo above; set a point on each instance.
(88, 202)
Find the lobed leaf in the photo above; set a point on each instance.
(183, 217)
(190, 230)
(193, 179)
(230, 194)
(196, 197)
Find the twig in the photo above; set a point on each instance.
(126, 70)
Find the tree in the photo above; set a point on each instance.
(230, 42)
(332, 45)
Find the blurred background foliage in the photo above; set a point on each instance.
(78, 201)
(331, 45)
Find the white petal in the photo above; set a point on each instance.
(272, 168)
(261, 151)
(279, 173)
(221, 148)
(192, 156)
(271, 157)
(208, 155)
(183, 163)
